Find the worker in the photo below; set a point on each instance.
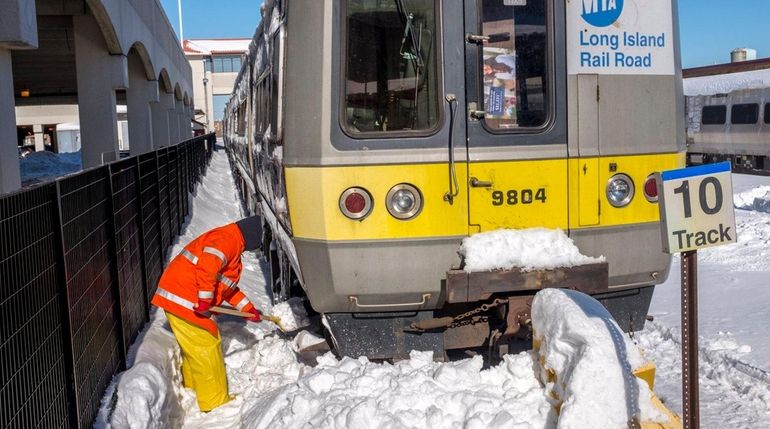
(205, 273)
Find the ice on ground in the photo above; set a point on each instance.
(292, 314)
(588, 363)
(528, 249)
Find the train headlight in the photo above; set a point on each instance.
(404, 201)
(620, 190)
(356, 203)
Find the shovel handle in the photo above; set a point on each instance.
(230, 311)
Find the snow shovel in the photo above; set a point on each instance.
(234, 312)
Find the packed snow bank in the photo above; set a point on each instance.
(44, 165)
(528, 249)
(757, 199)
(588, 363)
(357, 393)
(145, 397)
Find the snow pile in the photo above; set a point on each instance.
(726, 83)
(145, 395)
(528, 249)
(44, 165)
(357, 393)
(292, 314)
(587, 363)
(757, 199)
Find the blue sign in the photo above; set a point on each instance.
(496, 101)
(602, 13)
(701, 170)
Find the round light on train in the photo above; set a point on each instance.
(356, 203)
(404, 201)
(620, 190)
(651, 189)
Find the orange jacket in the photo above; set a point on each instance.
(208, 268)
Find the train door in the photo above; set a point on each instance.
(516, 114)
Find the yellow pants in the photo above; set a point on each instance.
(203, 365)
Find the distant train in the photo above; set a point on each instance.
(374, 135)
(728, 114)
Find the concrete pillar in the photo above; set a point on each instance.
(160, 124)
(140, 93)
(10, 178)
(39, 137)
(98, 75)
(173, 123)
(184, 123)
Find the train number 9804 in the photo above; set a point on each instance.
(514, 197)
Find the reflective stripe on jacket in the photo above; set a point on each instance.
(208, 268)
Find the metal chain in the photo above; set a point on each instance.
(477, 310)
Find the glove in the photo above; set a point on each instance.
(256, 316)
(202, 308)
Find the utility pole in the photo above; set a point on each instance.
(181, 28)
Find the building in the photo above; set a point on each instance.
(63, 62)
(215, 65)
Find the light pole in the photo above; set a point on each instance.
(206, 98)
(181, 29)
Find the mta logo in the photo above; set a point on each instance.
(602, 13)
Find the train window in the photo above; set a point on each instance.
(714, 115)
(515, 64)
(744, 113)
(391, 73)
(767, 113)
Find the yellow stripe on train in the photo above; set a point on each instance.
(555, 193)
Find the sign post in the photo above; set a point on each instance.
(696, 211)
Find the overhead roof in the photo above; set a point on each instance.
(726, 78)
(216, 46)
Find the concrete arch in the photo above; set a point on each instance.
(105, 24)
(165, 81)
(178, 92)
(186, 99)
(139, 49)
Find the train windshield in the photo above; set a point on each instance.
(391, 74)
(514, 66)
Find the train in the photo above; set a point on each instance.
(373, 136)
(728, 115)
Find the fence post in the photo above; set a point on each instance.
(142, 245)
(161, 253)
(113, 249)
(64, 304)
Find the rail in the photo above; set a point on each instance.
(80, 258)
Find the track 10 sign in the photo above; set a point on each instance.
(696, 207)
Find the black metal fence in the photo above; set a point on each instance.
(80, 259)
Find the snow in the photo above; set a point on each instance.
(754, 199)
(726, 83)
(593, 362)
(292, 314)
(42, 166)
(528, 249)
(274, 388)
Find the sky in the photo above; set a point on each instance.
(709, 28)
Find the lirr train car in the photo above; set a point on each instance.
(375, 135)
(728, 114)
